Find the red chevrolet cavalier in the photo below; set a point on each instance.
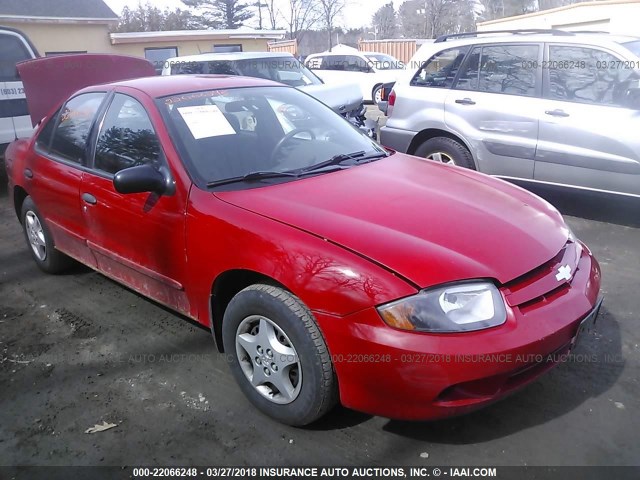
(327, 268)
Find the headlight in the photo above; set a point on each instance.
(450, 309)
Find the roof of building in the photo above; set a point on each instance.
(572, 6)
(177, 35)
(95, 11)
(228, 56)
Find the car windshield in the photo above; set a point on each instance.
(274, 133)
(634, 46)
(285, 70)
(380, 61)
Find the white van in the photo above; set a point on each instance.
(370, 70)
(14, 116)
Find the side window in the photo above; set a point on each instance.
(441, 69)
(71, 132)
(588, 75)
(315, 63)
(334, 62)
(44, 137)
(356, 64)
(127, 137)
(501, 69)
(12, 51)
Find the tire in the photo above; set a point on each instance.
(446, 150)
(377, 91)
(292, 354)
(40, 241)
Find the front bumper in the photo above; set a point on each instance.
(417, 376)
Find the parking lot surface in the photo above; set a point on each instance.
(79, 349)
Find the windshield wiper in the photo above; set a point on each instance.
(338, 159)
(252, 176)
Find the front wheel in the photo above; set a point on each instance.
(40, 240)
(446, 150)
(278, 355)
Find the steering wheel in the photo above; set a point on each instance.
(288, 137)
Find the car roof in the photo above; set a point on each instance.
(229, 56)
(162, 86)
(602, 39)
(595, 38)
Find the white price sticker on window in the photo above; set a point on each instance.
(205, 121)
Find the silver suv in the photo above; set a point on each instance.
(541, 106)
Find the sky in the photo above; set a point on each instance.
(357, 13)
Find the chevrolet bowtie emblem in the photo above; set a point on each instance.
(564, 273)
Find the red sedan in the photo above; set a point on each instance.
(327, 268)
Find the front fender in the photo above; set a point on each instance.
(326, 277)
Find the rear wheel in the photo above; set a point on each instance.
(446, 150)
(40, 240)
(278, 356)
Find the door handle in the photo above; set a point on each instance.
(88, 198)
(557, 113)
(28, 173)
(465, 101)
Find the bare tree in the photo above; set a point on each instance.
(273, 12)
(330, 9)
(385, 21)
(300, 16)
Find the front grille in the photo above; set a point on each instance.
(542, 283)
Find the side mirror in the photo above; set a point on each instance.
(633, 95)
(140, 179)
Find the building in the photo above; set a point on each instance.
(613, 16)
(159, 46)
(84, 26)
(61, 26)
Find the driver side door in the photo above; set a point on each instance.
(137, 239)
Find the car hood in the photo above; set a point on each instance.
(341, 98)
(429, 223)
(50, 80)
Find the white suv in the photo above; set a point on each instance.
(540, 106)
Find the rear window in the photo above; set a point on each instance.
(74, 124)
(12, 51)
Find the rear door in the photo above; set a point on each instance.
(588, 125)
(53, 172)
(493, 106)
(14, 116)
(137, 239)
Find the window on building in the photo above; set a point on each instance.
(227, 48)
(127, 138)
(158, 56)
(72, 130)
